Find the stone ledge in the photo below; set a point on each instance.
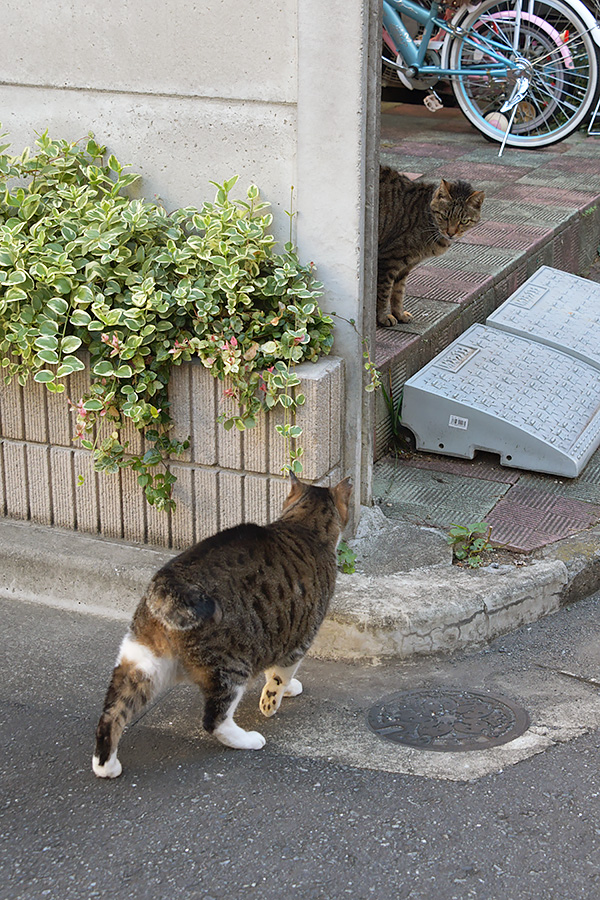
(430, 610)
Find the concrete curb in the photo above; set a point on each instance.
(436, 609)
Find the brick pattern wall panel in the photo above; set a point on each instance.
(182, 518)
(109, 501)
(204, 416)
(321, 385)
(256, 500)
(231, 508)
(15, 477)
(2, 482)
(158, 526)
(229, 443)
(278, 454)
(180, 400)
(34, 411)
(86, 492)
(206, 496)
(38, 480)
(11, 410)
(233, 476)
(134, 507)
(61, 429)
(63, 487)
(336, 415)
(256, 446)
(278, 491)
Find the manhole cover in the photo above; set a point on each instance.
(447, 720)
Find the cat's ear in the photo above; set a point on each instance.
(476, 199)
(444, 189)
(341, 495)
(296, 490)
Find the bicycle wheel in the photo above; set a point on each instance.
(556, 55)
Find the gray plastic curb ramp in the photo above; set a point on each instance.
(490, 390)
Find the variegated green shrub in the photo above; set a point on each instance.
(84, 267)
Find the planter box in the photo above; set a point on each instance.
(225, 477)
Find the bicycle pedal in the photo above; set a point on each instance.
(433, 102)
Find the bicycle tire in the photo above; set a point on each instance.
(563, 66)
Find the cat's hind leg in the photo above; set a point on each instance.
(220, 704)
(280, 683)
(138, 676)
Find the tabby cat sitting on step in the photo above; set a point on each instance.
(247, 600)
(417, 220)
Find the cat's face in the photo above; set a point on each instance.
(456, 207)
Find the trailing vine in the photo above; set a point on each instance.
(85, 268)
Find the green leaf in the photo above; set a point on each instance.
(17, 277)
(124, 372)
(93, 405)
(48, 356)
(63, 285)
(70, 343)
(80, 318)
(43, 376)
(58, 305)
(76, 364)
(46, 342)
(66, 368)
(103, 368)
(14, 294)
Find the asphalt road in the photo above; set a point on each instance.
(327, 809)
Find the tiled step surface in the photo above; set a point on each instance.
(541, 208)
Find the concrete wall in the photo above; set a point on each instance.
(282, 92)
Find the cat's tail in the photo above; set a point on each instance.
(179, 605)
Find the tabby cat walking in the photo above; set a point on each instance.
(417, 220)
(248, 599)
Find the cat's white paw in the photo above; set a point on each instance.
(293, 689)
(112, 768)
(233, 736)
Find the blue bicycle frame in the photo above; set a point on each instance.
(414, 54)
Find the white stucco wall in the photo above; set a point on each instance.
(278, 91)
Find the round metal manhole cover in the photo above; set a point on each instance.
(447, 721)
